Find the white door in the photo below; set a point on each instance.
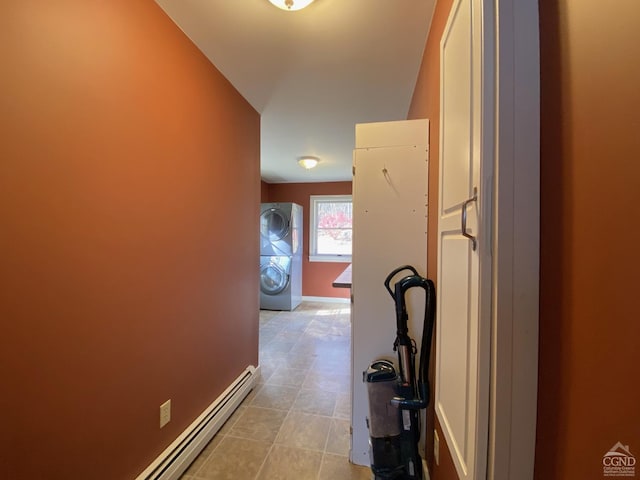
(463, 317)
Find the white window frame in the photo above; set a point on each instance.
(313, 255)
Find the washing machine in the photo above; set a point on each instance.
(280, 229)
(280, 282)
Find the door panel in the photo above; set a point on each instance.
(462, 353)
(456, 101)
(452, 398)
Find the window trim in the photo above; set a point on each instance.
(313, 256)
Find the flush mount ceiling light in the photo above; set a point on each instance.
(308, 162)
(291, 5)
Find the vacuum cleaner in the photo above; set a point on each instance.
(396, 398)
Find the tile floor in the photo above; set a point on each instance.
(295, 424)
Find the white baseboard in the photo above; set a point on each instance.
(177, 457)
(326, 299)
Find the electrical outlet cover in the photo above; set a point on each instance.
(165, 413)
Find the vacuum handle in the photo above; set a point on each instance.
(394, 273)
(409, 282)
(401, 288)
(403, 342)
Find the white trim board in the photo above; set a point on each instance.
(515, 290)
(326, 299)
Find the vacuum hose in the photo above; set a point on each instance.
(419, 387)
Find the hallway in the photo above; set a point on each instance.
(295, 424)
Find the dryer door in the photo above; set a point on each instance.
(273, 278)
(274, 225)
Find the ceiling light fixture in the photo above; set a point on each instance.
(291, 5)
(308, 162)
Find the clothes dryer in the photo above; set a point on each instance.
(280, 229)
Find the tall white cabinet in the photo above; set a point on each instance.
(390, 200)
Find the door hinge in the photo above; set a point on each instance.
(353, 171)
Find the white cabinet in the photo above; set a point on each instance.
(389, 230)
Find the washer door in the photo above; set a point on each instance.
(273, 279)
(274, 225)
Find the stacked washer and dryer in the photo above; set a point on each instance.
(280, 256)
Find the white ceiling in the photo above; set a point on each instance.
(312, 74)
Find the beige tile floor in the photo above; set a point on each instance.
(295, 424)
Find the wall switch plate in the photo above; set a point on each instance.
(436, 447)
(165, 413)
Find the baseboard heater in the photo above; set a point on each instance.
(177, 457)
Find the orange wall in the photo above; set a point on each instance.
(264, 191)
(589, 395)
(317, 277)
(130, 188)
(426, 104)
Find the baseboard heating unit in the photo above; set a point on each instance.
(177, 457)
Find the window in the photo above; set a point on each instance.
(330, 228)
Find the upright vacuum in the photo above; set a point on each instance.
(396, 398)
